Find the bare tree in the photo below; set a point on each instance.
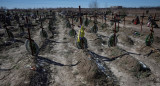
(3, 8)
(93, 4)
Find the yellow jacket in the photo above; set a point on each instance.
(81, 33)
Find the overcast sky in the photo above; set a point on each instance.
(76, 3)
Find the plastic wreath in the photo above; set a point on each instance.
(9, 34)
(21, 30)
(68, 25)
(79, 44)
(34, 47)
(86, 22)
(117, 30)
(149, 39)
(112, 40)
(94, 28)
(43, 34)
(104, 25)
(111, 23)
(72, 32)
(77, 20)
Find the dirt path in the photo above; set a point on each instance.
(61, 53)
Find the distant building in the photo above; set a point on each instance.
(116, 7)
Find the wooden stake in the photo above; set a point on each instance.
(154, 19)
(118, 21)
(29, 38)
(72, 21)
(80, 15)
(112, 15)
(81, 25)
(102, 17)
(95, 18)
(105, 18)
(115, 31)
(5, 25)
(7, 31)
(124, 20)
(142, 21)
(41, 23)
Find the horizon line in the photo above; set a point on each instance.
(74, 7)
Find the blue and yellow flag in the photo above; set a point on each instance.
(81, 33)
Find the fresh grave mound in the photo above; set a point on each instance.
(125, 39)
(17, 73)
(113, 52)
(91, 73)
(157, 40)
(151, 53)
(94, 29)
(72, 33)
(99, 41)
(88, 30)
(1, 41)
(41, 73)
(134, 67)
(104, 25)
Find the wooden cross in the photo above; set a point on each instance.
(154, 19)
(118, 16)
(37, 12)
(105, 17)
(72, 20)
(102, 15)
(72, 16)
(5, 26)
(142, 21)
(115, 20)
(80, 15)
(112, 15)
(41, 23)
(122, 16)
(95, 17)
(86, 14)
(115, 31)
(29, 37)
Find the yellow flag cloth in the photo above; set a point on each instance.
(81, 33)
(78, 40)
